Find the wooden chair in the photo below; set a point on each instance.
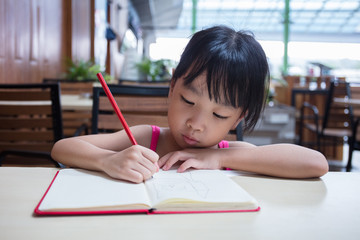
(75, 121)
(72, 87)
(336, 123)
(30, 122)
(354, 141)
(138, 104)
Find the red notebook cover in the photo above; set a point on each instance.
(40, 212)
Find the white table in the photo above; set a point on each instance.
(76, 102)
(68, 102)
(325, 208)
(350, 101)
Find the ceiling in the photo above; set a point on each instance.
(310, 20)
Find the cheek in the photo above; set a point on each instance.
(220, 129)
(174, 115)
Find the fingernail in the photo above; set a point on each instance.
(157, 166)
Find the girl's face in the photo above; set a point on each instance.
(194, 119)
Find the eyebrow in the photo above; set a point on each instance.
(193, 89)
(200, 93)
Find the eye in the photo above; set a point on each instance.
(186, 101)
(219, 116)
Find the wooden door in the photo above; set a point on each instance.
(31, 40)
(36, 36)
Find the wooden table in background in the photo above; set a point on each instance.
(76, 102)
(76, 111)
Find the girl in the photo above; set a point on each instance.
(221, 79)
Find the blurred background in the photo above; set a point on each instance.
(300, 37)
(309, 44)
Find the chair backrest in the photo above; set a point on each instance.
(74, 120)
(355, 96)
(138, 104)
(30, 117)
(72, 87)
(337, 115)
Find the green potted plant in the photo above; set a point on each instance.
(155, 70)
(83, 71)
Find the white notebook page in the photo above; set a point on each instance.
(198, 185)
(75, 188)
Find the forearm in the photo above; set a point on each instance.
(78, 153)
(281, 160)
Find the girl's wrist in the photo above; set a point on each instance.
(233, 158)
(223, 158)
(102, 160)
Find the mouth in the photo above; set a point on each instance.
(189, 140)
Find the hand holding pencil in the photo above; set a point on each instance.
(126, 127)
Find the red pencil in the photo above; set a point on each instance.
(116, 108)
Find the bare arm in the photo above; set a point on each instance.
(110, 153)
(280, 160)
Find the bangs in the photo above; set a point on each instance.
(236, 69)
(220, 84)
(222, 77)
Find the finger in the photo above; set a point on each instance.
(164, 159)
(131, 171)
(143, 171)
(149, 165)
(149, 154)
(170, 161)
(174, 158)
(145, 156)
(133, 176)
(190, 163)
(152, 156)
(137, 162)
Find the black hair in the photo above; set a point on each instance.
(236, 69)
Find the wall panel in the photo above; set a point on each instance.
(31, 45)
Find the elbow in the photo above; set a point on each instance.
(319, 165)
(57, 150)
(54, 150)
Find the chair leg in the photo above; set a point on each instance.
(300, 133)
(318, 142)
(2, 157)
(349, 164)
(351, 150)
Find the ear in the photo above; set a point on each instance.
(237, 123)
(172, 83)
(242, 116)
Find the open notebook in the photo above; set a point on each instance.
(77, 192)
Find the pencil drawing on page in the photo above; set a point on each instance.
(184, 183)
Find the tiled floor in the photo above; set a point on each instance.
(340, 165)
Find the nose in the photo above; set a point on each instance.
(196, 122)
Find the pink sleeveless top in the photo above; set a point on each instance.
(156, 134)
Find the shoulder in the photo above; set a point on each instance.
(142, 134)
